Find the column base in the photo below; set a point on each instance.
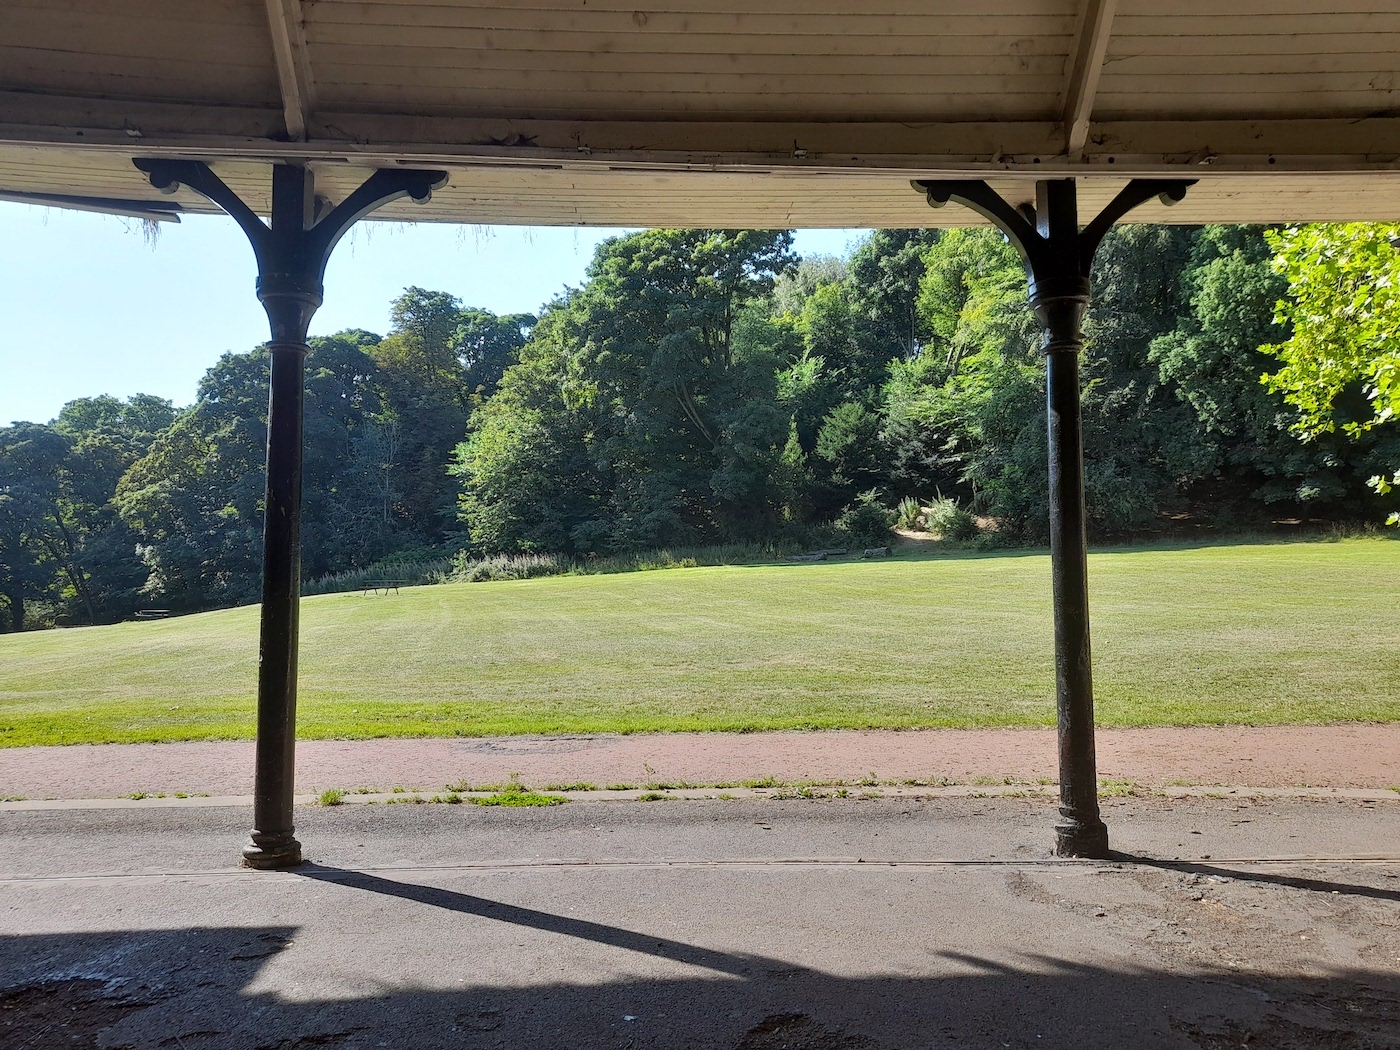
(270, 851)
(1076, 839)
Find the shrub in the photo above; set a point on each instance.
(866, 522)
(951, 522)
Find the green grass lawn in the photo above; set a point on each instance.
(1248, 633)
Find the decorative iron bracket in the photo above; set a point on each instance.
(1056, 253)
(292, 251)
(1032, 229)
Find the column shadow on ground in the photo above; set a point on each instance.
(547, 922)
(1265, 878)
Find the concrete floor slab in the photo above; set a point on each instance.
(745, 925)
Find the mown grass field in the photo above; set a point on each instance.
(1248, 633)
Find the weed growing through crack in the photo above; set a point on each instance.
(466, 785)
(331, 797)
(517, 794)
(764, 782)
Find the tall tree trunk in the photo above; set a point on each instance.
(16, 596)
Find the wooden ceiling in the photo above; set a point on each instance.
(714, 112)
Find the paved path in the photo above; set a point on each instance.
(745, 925)
(1361, 756)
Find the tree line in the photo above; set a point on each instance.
(707, 386)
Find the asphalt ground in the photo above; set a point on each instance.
(745, 925)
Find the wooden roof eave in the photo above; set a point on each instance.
(1135, 147)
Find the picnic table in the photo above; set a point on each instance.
(383, 585)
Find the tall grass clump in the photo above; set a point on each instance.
(408, 572)
(467, 569)
(909, 515)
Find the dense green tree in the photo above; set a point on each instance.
(694, 430)
(1141, 444)
(849, 444)
(107, 436)
(1340, 367)
(195, 499)
(62, 545)
(655, 350)
(967, 418)
(793, 287)
(854, 360)
(530, 480)
(980, 413)
(1213, 360)
(350, 449)
(886, 273)
(32, 548)
(486, 345)
(436, 364)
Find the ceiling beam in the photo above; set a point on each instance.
(1156, 148)
(1082, 77)
(288, 28)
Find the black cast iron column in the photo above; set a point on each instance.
(1058, 257)
(290, 296)
(292, 254)
(1059, 295)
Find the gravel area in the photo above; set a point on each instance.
(1352, 755)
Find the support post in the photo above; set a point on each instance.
(1058, 256)
(291, 255)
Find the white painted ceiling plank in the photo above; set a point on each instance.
(1086, 63)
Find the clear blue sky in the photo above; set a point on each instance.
(90, 308)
